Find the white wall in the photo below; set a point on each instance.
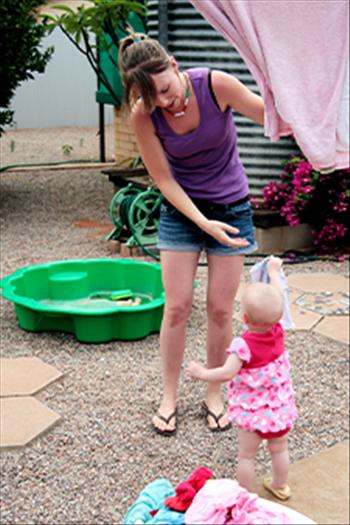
(64, 95)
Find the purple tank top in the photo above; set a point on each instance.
(205, 162)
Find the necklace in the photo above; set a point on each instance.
(185, 104)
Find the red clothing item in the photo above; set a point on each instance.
(186, 490)
(264, 346)
(272, 435)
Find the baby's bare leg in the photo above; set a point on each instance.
(248, 444)
(278, 448)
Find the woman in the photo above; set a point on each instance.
(187, 140)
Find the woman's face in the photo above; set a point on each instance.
(170, 89)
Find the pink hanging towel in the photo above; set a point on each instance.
(298, 53)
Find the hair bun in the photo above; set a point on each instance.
(132, 38)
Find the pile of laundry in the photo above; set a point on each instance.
(200, 500)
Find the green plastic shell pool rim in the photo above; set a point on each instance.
(98, 300)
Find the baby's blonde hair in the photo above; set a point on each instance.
(262, 303)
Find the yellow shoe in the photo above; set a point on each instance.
(282, 493)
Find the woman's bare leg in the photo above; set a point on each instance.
(224, 274)
(178, 273)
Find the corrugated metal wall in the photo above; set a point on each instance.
(194, 42)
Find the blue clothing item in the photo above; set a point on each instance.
(258, 273)
(151, 498)
(178, 233)
(166, 516)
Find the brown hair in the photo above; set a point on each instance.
(139, 58)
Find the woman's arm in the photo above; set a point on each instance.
(230, 92)
(220, 374)
(154, 158)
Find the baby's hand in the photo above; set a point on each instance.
(194, 370)
(274, 264)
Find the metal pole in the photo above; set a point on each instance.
(101, 119)
(101, 114)
(163, 23)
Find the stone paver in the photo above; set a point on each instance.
(23, 419)
(325, 303)
(335, 327)
(303, 319)
(318, 282)
(25, 375)
(319, 302)
(320, 485)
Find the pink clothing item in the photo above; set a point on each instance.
(224, 501)
(343, 126)
(298, 54)
(264, 347)
(261, 398)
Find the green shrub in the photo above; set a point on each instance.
(20, 51)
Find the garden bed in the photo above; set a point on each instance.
(121, 176)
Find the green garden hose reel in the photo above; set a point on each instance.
(135, 214)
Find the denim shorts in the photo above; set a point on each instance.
(178, 233)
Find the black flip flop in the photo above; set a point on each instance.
(166, 420)
(216, 418)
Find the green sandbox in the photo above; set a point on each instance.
(61, 296)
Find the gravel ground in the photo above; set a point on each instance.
(92, 465)
(43, 145)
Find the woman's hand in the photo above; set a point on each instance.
(220, 230)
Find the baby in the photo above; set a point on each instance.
(260, 393)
